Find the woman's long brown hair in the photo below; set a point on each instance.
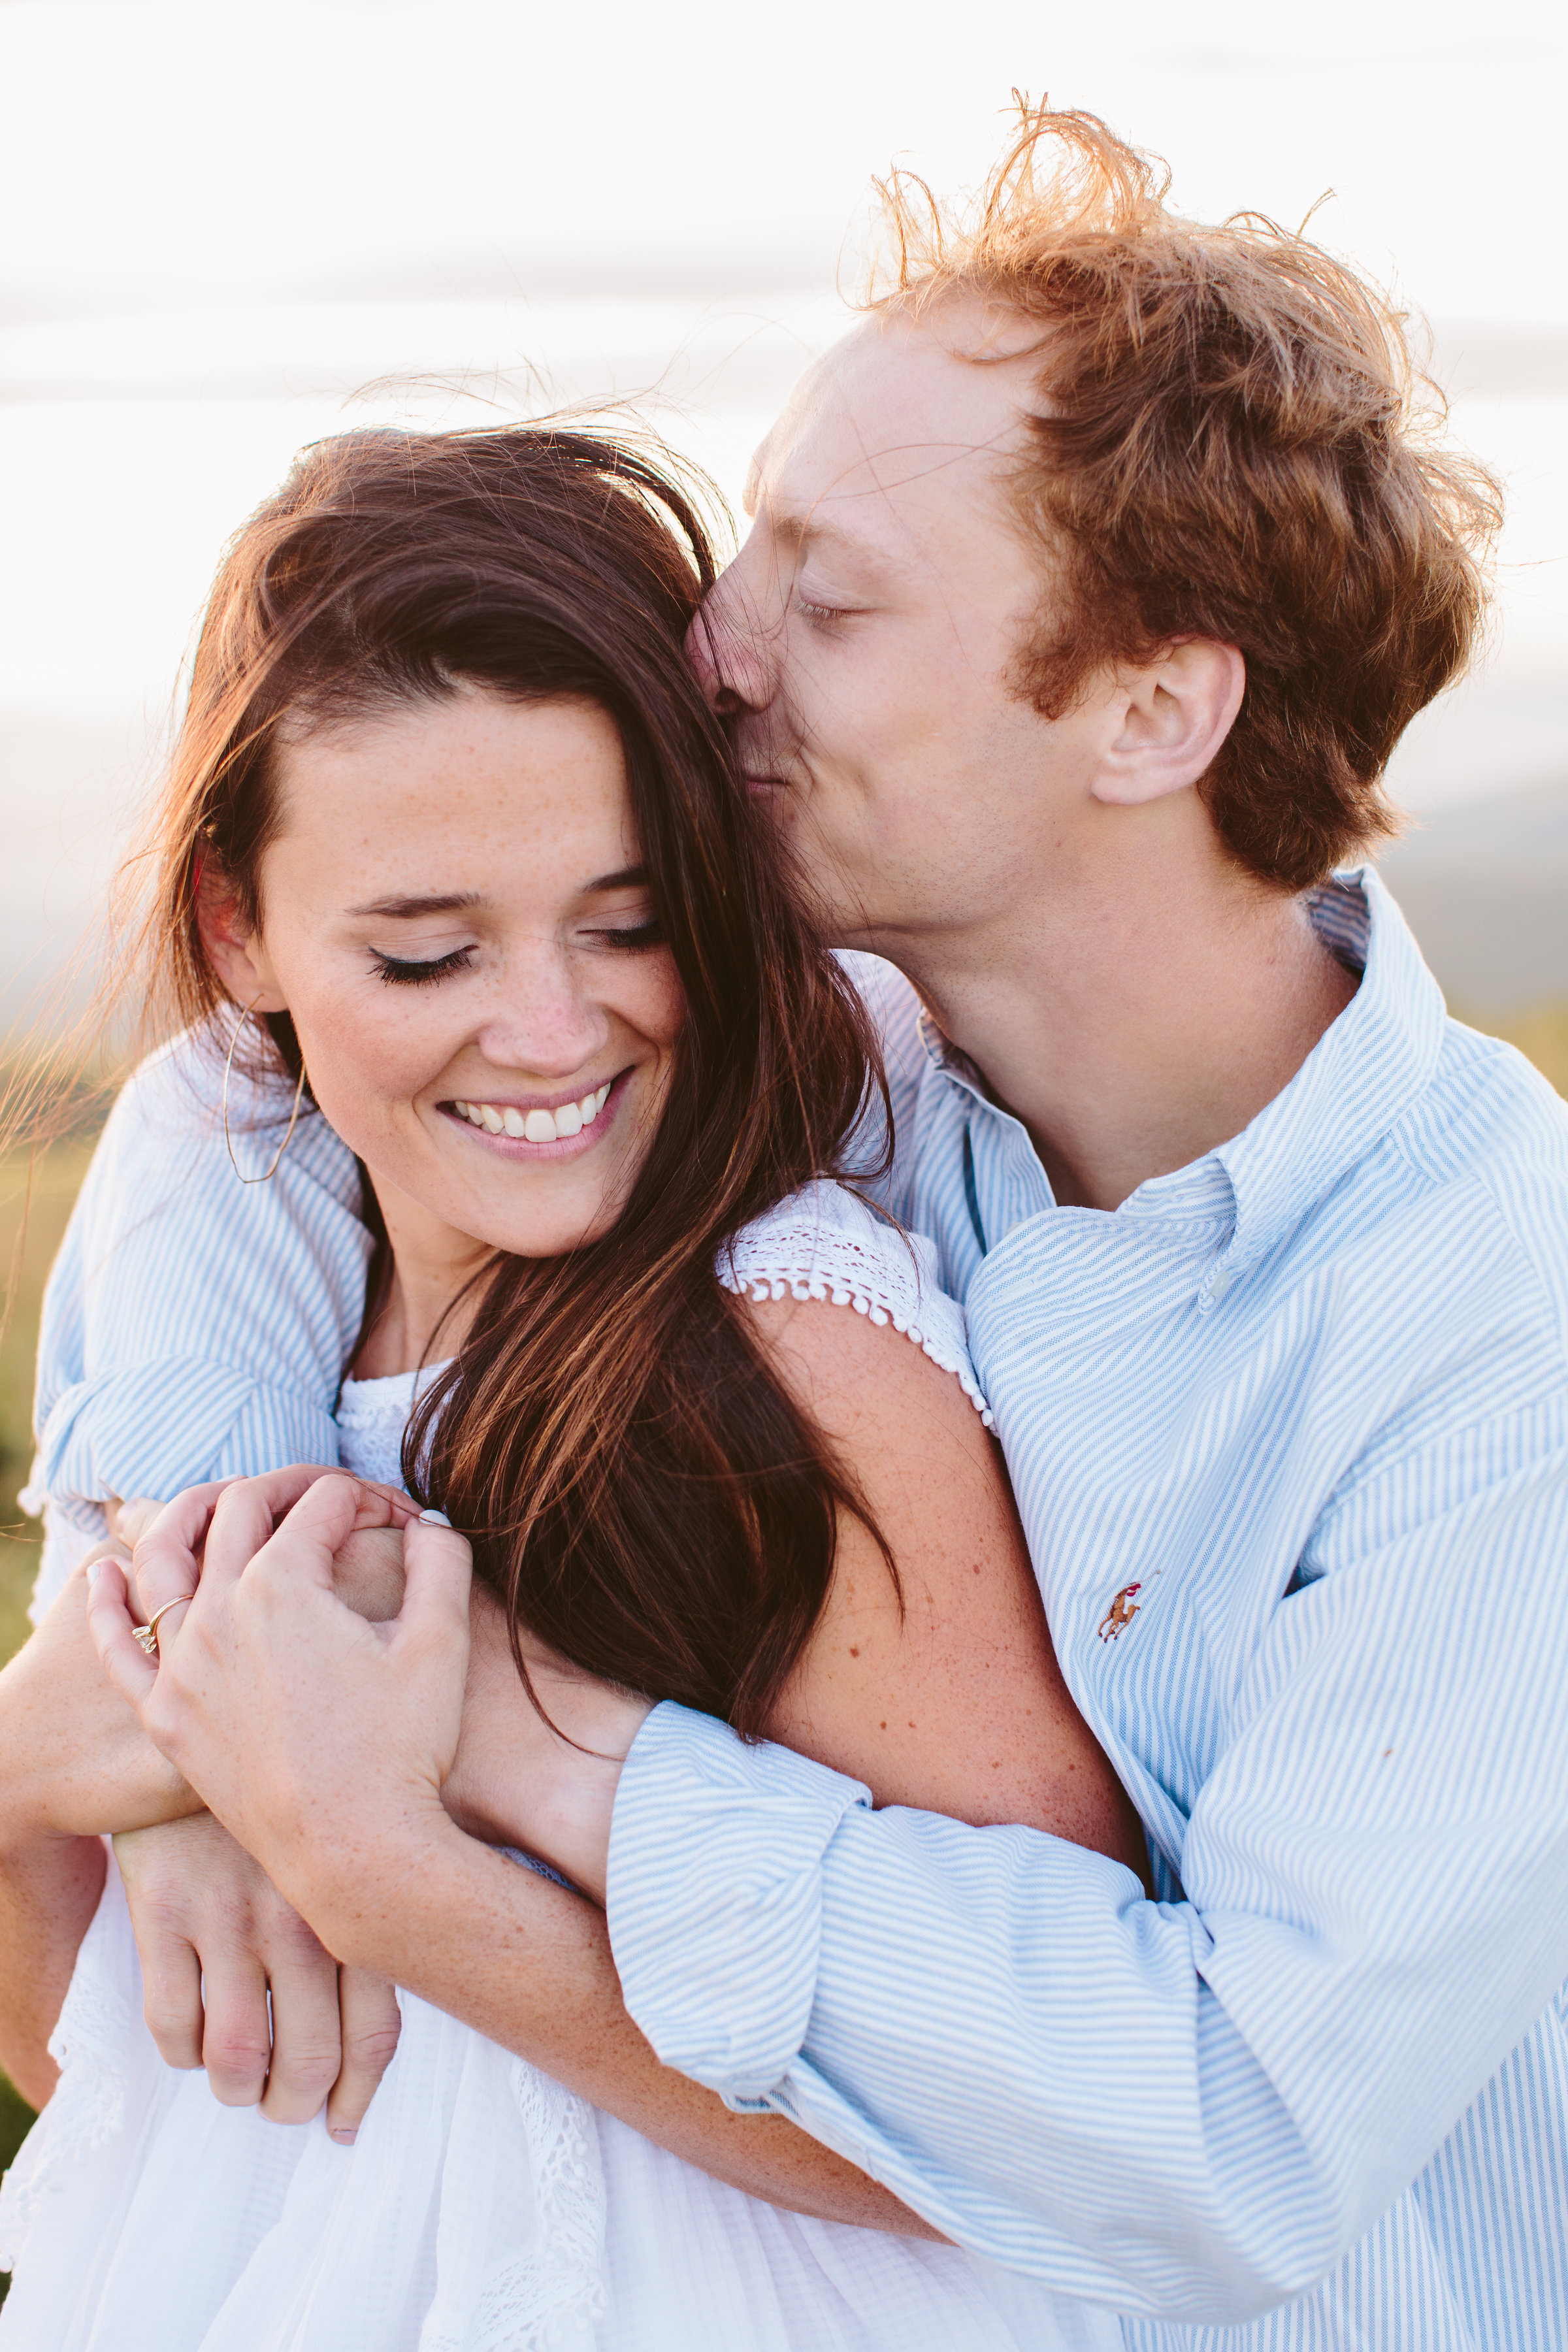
(639, 1486)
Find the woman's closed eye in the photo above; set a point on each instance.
(630, 935)
(405, 971)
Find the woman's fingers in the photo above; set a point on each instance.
(125, 1662)
(438, 1571)
(382, 1506)
(372, 2022)
(219, 1528)
(321, 1522)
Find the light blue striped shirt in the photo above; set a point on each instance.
(1288, 1432)
(193, 1326)
(1309, 1399)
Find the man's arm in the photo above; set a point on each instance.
(1191, 2109)
(532, 1968)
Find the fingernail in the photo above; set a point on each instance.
(434, 1519)
(95, 1570)
(344, 2136)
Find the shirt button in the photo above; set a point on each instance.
(1218, 1284)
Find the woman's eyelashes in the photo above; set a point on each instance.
(403, 971)
(419, 971)
(649, 934)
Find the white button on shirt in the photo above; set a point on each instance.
(1288, 1432)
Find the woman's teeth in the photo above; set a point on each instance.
(536, 1126)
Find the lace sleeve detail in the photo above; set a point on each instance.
(825, 1242)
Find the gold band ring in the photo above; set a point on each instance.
(148, 1634)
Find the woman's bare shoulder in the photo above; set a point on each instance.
(936, 1684)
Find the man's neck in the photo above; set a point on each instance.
(1135, 1037)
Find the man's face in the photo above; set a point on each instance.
(864, 642)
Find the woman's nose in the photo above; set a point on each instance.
(544, 1024)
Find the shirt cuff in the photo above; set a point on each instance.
(714, 1897)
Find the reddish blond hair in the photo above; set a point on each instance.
(1230, 446)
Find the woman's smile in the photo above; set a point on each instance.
(539, 1126)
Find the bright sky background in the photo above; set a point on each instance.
(223, 221)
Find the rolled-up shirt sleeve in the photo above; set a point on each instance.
(1190, 2109)
(193, 1326)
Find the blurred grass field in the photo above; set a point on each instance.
(34, 1206)
(1541, 1032)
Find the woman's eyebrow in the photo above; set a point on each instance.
(446, 904)
(630, 877)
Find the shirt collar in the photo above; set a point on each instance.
(1354, 1085)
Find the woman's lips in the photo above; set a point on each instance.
(539, 1125)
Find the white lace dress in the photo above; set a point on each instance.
(482, 2209)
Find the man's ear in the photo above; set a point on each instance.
(237, 953)
(1176, 711)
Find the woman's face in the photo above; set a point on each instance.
(453, 913)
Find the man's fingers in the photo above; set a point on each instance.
(172, 1980)
(307, 2048)
(237, 2039)
(125, 1662)
(372, 2022)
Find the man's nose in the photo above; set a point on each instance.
(727, 646)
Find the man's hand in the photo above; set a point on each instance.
(215, 1939)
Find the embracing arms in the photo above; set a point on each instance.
(381, 1872)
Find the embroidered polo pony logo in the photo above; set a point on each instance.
(1121, 1612)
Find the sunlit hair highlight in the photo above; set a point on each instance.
(1231, 442)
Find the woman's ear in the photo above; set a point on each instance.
(236, 950)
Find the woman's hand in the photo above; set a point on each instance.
(320, 1741)
(74, 1759)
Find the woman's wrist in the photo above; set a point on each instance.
(366, 1891)
(74, 1760)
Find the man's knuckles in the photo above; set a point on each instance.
(369, 2050)
(174, 2022)
(237, 2057)
(303, 2074)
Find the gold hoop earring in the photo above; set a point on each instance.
(228, 1140)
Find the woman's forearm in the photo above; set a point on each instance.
(49, 1889)
(74, 1762)
(74, 1759)
(532, 1971)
